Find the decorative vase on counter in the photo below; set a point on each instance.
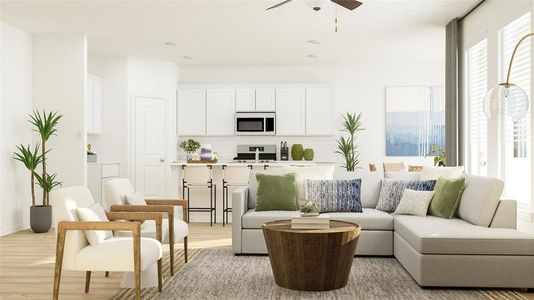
(205, 152)
(308, 154)
(297, 152)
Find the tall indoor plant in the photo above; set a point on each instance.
(46, 125)
(347, 147)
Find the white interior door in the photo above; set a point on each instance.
(150, 146)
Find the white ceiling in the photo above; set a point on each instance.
(235, 32)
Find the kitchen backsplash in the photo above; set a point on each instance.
(324, 147)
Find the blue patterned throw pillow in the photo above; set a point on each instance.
(392, 190)
(335, 195)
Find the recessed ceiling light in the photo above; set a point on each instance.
(170, 44)
(314, 42)
(189, 57)
(312, 56)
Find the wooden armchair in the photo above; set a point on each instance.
(73, 251)
(173, 228)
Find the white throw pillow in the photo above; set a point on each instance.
(403, 175)
(135, 199)
(480, 199)
(94, 213)
(414, 203)
(433, 173)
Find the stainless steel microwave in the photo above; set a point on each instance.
(255, 123)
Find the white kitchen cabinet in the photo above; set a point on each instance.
(93, 105)
(290, 111)
(97, 175)
(319, 111)
(191, 111)
(220, 111)
(265, 100)
(245, 100)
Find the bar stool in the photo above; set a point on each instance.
(200, 177)
(233, 176)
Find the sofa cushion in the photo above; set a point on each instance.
(392, 190)
(447, 195)
(403, 175)
(369, 219)
(303, 172)
(480, 199)
(434, 235)
(371, 184)
(433, 173)
(335, 195)
(276, 192)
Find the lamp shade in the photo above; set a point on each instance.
(506, 98)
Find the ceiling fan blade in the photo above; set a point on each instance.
(348, 4)
(279, 4)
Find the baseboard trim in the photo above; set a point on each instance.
(15, 229)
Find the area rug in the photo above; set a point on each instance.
(218, 274)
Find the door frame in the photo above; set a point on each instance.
(131, 133)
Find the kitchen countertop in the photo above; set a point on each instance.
(232, 163)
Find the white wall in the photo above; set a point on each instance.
(357, 89)
(59, 75)
(16, 104)
(112, 143)
(157, 78)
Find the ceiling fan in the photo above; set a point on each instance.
(317, 4)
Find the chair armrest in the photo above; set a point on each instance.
(64, 226)
(139, 216)
(169, 209)
(173, 202)
(239, 207)
(505, 215)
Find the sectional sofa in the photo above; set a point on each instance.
(479, 248)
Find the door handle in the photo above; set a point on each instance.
(161, 159)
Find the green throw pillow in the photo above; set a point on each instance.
(447, 195)
(276, 192)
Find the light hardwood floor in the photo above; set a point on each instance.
(27, 265)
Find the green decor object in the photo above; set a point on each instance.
(297, 152)
(189, 145)
(310, 209)
(440, 157)
(308, 154)
(352, 124)
(31, 159)
(447, 195)
(276, 192)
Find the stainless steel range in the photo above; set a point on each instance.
(247, 153)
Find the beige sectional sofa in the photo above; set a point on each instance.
(435, 251)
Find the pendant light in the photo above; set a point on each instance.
(507, 97)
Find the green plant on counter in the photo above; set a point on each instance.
(352, 124)
(30, 159)
(440, 157)
(189, 145)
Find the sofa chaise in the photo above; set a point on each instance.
(435, 251)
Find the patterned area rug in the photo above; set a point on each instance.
(218, 274)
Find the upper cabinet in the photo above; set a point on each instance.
(93, 105)
(319, 111)
(290, 111)
(220, 111)
(191, 111)
(250, 99)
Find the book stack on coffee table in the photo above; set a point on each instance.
(315, 222)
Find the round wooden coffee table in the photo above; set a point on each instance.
(311, 260)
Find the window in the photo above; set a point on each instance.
(515, 143)
(477, 86)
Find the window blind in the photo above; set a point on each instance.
(477, 86)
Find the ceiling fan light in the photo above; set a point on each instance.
(316, 4)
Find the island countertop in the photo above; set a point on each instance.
(254, 164)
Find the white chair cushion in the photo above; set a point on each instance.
(480, 199)
(135, 199)
(94, 213)
(433, 173)
(116, 254)
(414, 203)
(434, 235)
(369, 219)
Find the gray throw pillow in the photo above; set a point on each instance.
(335, 195)
(392, 190)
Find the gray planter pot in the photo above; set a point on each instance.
(40, 218)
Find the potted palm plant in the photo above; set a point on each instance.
(45, 124)
(347, 147)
